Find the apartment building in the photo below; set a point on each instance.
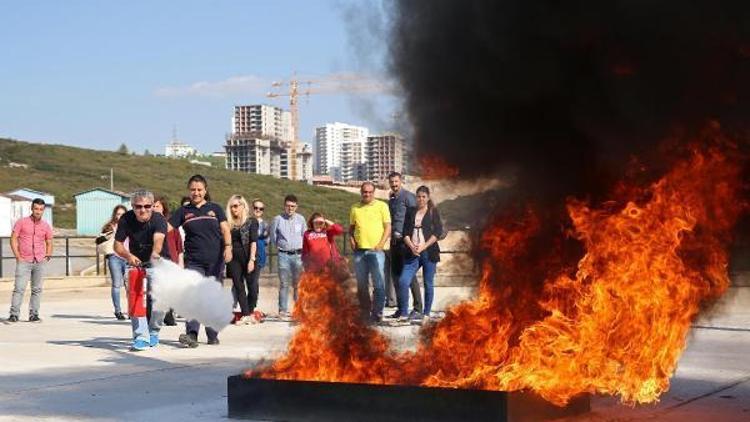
(339, 151)
(260, 143)
(262, 121)
(385, 154)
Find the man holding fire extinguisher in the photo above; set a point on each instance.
(146, 231)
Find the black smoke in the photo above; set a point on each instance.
(567, 92)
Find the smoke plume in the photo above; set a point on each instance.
(566, 93)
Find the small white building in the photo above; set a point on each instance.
(20, 207)
(178, 149)
(31, 194)
(5, 211)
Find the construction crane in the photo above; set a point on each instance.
(294, 109)
(333, 84)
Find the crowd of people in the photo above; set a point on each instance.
(390, 242)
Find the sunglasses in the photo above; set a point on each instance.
(235, 205)
(143, 207)
(258, 208)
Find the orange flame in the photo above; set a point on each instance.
(434, 168)
(616, 324)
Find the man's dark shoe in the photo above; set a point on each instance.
(35, 318)
(394, 315)
(12, 318)
(415, 316)
(169, 319)
(376, 319)
(213, 341)
(189, 340)
(120, 316)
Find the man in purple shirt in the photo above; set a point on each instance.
(31, 243)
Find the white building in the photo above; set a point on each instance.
(178, 149)
(339, 151)
(20, 207)
(5, 215)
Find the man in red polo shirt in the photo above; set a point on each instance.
(31, 243)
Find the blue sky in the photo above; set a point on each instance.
(96, 73)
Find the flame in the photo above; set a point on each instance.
(434, 168)
(614, 323)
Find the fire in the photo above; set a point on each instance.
(434, 168)
(614, 323)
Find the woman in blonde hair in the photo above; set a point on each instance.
(244, 231)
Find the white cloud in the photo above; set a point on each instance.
(236, 85)
(243, 85)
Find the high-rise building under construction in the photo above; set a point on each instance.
(260, 143)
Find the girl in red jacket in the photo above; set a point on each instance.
(318, 244)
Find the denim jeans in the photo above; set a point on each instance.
(369, 262)
(394, 266)
(411, 266)
(144, 326)
(117, 267)
(26, 271)
(290, 270)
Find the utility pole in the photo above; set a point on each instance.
(111, 179)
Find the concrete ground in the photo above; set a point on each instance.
(75, 365)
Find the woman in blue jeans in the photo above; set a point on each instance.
(115, 264)
(422, 228)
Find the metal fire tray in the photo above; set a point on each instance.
(277, 400)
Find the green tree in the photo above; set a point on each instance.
(123, 149)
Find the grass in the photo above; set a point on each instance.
(64, 170)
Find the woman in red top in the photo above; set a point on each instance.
(318, 244)
(174, 244)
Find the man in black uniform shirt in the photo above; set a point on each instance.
(146, 231)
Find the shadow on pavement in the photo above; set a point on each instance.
(136, 382)
(118, 344)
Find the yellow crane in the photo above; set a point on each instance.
(332, 84)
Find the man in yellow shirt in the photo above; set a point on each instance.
(370, 226)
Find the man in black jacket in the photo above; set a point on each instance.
(399, 201)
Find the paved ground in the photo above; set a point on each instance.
(76, 366)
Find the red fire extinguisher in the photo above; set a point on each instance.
(137, 292)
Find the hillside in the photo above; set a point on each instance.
(64, 171)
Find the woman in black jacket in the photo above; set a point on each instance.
(422, 228)
(244, 233)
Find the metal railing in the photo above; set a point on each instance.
(101, 263)
(56, 255)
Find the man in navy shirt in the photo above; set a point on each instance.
(146, 232)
